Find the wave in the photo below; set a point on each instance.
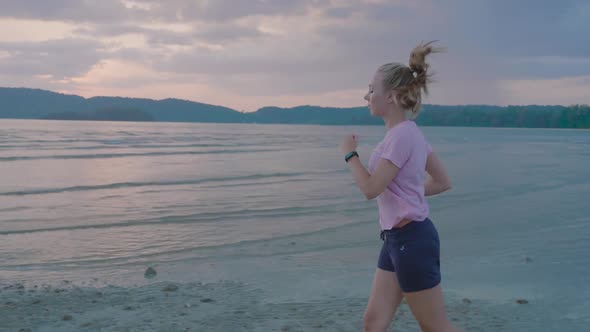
(218, 248)
(12, 209)
(120, 155)
(104, 146)
(173, 183)
(207, 217)
(148, 183)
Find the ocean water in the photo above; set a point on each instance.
(276, 207)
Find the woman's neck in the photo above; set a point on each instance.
(393, 119)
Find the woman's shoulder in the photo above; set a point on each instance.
(403, 129)
(406, 134)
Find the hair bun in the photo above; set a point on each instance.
(418, 65)
(418, 56)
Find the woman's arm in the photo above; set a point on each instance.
(439, 181)
(373, 185)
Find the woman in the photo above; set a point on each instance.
(409, 265)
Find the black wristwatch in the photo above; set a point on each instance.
(350, 155)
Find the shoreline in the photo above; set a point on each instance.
(219, 306)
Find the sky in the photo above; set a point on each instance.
(247, 54)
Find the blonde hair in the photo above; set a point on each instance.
(409, 81)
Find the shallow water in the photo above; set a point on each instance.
(275, 206)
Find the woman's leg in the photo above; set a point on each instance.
(416, 256)
(429, 309)
(386, 296)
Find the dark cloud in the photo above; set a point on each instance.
(223, 10)
(111, 30)
(226, 32)
(158, 10)
(211, 33)
(521, 28)
(68, 10)
(153, 36)
(339, 12)
(540, 67)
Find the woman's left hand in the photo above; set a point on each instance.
(349, 143)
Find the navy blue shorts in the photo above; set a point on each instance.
(413, 253)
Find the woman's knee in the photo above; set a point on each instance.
(437, 326)
(430, 327)
(374, 322)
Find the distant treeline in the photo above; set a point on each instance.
(22, 103)
(575, 116)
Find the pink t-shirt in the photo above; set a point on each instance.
(406, 147)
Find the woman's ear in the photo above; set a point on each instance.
(392, 97)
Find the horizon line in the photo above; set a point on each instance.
(272, 106)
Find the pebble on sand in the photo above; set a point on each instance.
(150, 272)
(170, 288)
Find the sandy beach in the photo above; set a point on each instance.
(222, 306)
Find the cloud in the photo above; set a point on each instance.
(260, 51)
(33, 30)
(59, 59)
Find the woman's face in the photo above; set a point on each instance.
(377, 98)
